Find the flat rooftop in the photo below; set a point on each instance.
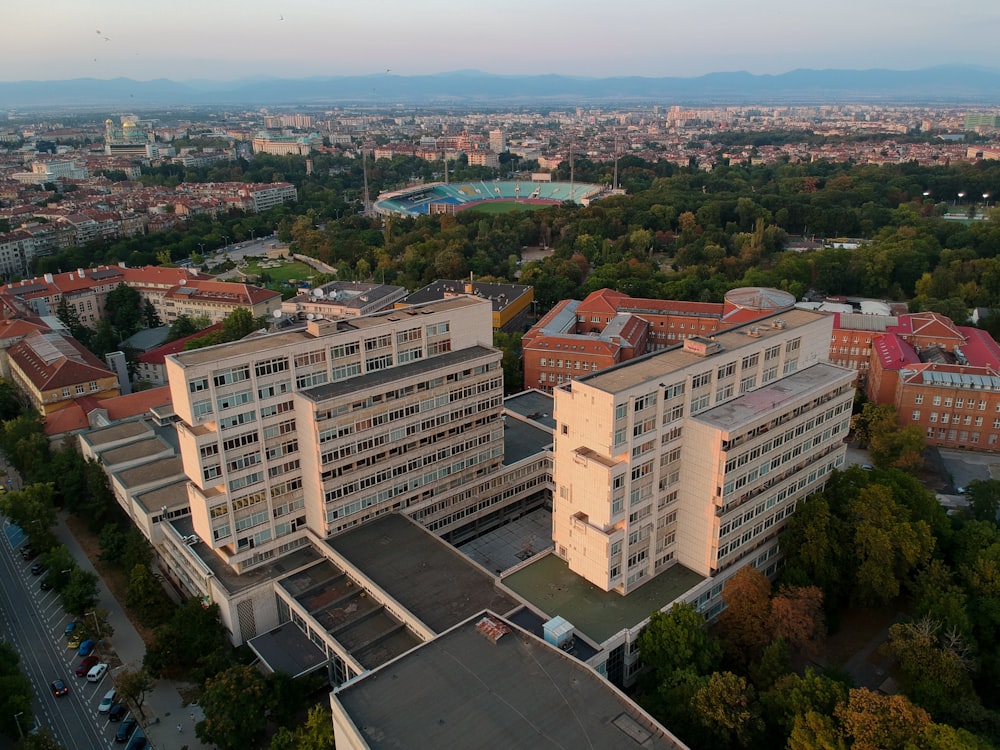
(462, 690)
(434, 581)
(750, 407)
(172, 496)
(659, 365)
(533, 405)
(341, 607)
(551, 587)
(237, 582)
(287, 649)
(381, 377)
(117, 432)
(268, 342)
(134, 451)
(164, 468)
(522, 440)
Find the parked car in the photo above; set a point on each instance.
(85, 666)
(138, 742)
(71, 628)
(28, 552)
(96, 674)
(73, 641)
(117, 712)
(125, 730)
(86, 647)
(107, 701)
(45, 585)
(59, 688)
(38, 568)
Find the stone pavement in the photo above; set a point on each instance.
(163, 708)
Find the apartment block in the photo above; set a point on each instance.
(696, 455)
(319, 429)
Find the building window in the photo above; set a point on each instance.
(750, 360)
(701, 380)
(748, 383)
(916, 415)
(918, 399)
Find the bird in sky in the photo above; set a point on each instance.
(107, 39)
(281, 17)
(98, 32)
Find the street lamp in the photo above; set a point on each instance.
(96, 622)
(224, 237)
(960, 196)
(252, 233)
(986, 200)
(17, 720)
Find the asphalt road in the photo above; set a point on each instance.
(34, 623)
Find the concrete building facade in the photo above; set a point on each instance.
(320, 429)
(696, 455)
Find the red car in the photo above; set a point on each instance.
(85, 665)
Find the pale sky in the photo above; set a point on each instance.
(230, 39)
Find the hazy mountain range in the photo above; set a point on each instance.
(938, 85)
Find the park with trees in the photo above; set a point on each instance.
(187, 641)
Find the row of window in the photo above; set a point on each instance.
(959, 402)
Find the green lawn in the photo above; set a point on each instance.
(285, 270)
(506, 207)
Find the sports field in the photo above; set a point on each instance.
(506, 207)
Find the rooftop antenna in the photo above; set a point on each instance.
(614, 181)
(364, 169)
(572, 191)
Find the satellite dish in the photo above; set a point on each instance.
(319, 316)
(276, 314)
(320, 294)
(317, 292)
(310, 316)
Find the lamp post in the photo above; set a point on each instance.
(960, 196)
(252, 233)
(17, 720)
(986, 200)
(97, 623)
(226, 239)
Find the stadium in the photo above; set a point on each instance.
(443, 198)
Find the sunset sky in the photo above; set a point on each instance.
(229, 39)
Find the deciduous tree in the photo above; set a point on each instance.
(797, 617)
(726, 708)
(234, 702)
(745, 625)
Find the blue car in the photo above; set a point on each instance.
(86, 647)
(71, 627)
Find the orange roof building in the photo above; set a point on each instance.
(52, 370)
(608, 327)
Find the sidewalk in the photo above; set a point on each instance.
(163, 705)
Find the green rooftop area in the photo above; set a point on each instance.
(551, 587)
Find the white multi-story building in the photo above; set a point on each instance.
(696, 455)
(313, 431)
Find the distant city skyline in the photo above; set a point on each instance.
(230, 39)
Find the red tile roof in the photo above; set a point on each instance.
(51, 360)
(156, 356)
(894, 352)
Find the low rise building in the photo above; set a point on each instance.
(511, 302)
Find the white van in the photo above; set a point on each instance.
(97, 672)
